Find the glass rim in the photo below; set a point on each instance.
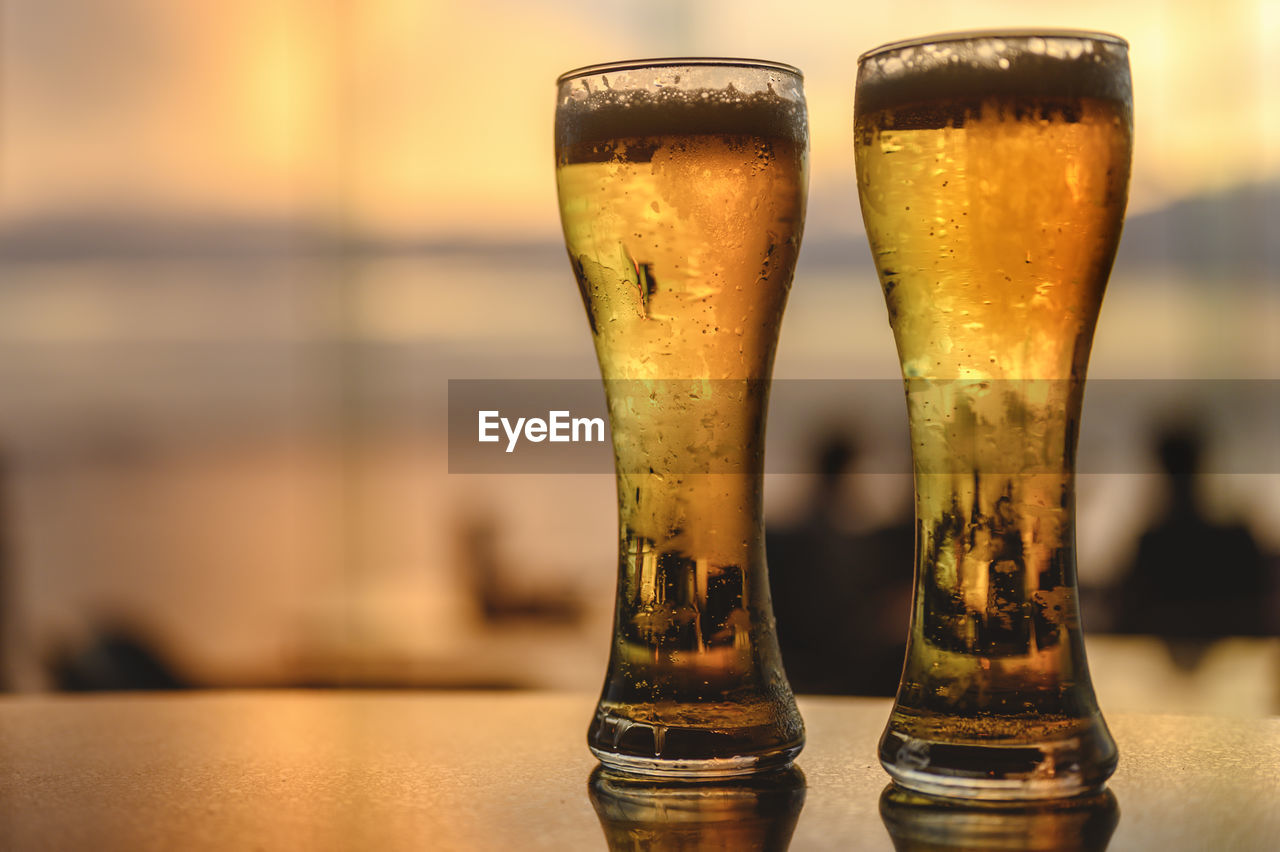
(973, 35)
(679, 61)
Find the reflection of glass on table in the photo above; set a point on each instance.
(757, 812)
(920, 823)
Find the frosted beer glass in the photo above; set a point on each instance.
(682, 189)
(993, 172)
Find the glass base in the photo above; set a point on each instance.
(697, 769)
(713, 740)
(1023, 772)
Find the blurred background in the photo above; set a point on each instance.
(245, 245)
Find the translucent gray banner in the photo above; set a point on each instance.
(699, 426)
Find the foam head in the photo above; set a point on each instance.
(1006, 63)
(680, 97)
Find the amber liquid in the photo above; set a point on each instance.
(684, 244)
(993, 223)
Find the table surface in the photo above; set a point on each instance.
(509, 771)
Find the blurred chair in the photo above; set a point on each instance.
(489, 580)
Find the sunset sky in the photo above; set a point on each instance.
(432, 119)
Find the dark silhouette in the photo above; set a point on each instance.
(1192, 580)
(842, 600)
(115, 659)
(489, 580)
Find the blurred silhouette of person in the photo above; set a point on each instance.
(842, 600)
(1192, 580)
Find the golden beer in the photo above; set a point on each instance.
(682, 191)
(993, 173)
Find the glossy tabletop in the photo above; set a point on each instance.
(510, 771)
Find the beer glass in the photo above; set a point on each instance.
(682, 187)
(993, 174)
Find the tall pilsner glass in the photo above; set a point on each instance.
(682, 192)
(993, 172)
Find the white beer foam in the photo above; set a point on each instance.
(997, 63)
